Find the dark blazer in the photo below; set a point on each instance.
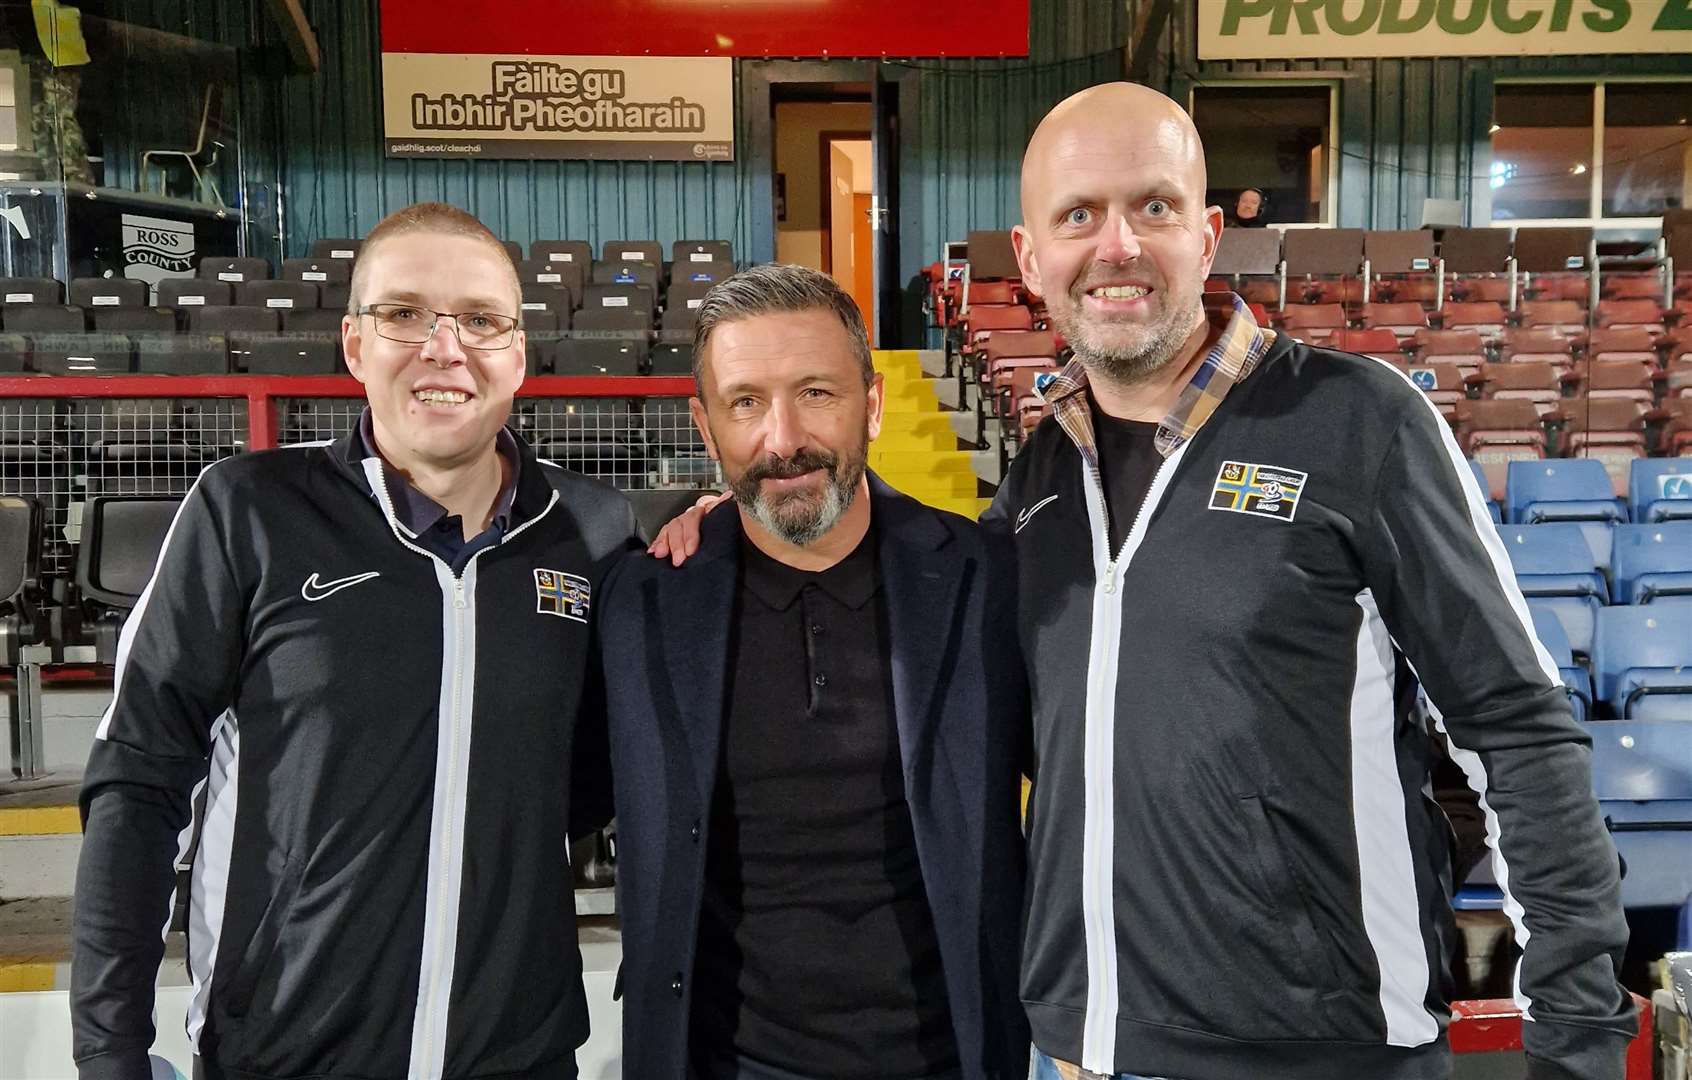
(960, 693)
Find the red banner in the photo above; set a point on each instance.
(754, 28)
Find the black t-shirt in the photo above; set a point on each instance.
(1128, 460)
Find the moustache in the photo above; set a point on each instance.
(778, 468)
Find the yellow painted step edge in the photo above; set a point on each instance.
(39, 820)
(22, 976)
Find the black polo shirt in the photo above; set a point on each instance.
(817, 952)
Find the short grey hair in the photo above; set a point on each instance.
(776, 288)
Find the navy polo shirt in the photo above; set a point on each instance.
(436, 531)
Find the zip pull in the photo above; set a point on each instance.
(458, 600)
(1110, 578)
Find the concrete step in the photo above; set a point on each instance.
(40, 837)
(921, 462)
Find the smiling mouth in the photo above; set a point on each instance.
(1119, 292)
(441, 398)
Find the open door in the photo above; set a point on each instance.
(884, 211)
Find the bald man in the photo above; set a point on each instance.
(1240, 559)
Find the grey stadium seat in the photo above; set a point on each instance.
(280, 295)
(108, 292)
(195, 292)
(220, 268)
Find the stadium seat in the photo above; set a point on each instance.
(613, 320)
(1483, 425)
(299, 353)
(1485, 317)
(1465, 348)
(1643, 781)
(563, 251)
(81, 354)
(982, 321)
(1549, 630)
(1559, 490)
(1622, 343)
(1475, 251)
(1380, 343)
(609, 355)
(698, 273)
(195, 292)
(643, 297)
(281, 295)
(1443, 384)
(631, 251)
(1525, 381)
(21, 618)
(139, 320)
(1250, 253)
(1313, 323)
(1629, 380)
(671, 357)
(225, 320)
(1653, 563)
(314, 320)
(317, 271)
(546, 298)
(1403, 319)
(1660, 489)
(44, 319)
(565, 275)
(97, 292)
(31, 291)
(220, 268)
(1404, 263)
(14, 353)
(121, 539)
(181, 354)
(686, 294)
(1631, 314)
(1642, 661)
(336, 247)
(1556, 250)
(625, 273)
(1541, 346)
(678, 320)
(1555, 570)
(1564, 315)
(702, 251)
(1609, 428)
(993, 293)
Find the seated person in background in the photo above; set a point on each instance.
(1249, 210)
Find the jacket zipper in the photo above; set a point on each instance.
(1098, 904)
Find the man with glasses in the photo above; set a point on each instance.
(373, 657)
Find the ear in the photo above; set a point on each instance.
(1022, 242)
(696, 409)
(520, 357)
(1212, 235)
(352, 345)
(876, 403)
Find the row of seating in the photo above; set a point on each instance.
(1640, 663)
(565, 251)
(1633, 325)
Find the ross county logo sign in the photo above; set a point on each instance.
(1264, 29)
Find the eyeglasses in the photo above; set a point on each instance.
(415, 325)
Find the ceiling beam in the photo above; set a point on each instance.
(296, 33)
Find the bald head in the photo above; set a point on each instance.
(1118, 115)
(1115, 233)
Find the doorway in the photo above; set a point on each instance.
(824, 185)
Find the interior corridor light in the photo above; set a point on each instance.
(1579, 168)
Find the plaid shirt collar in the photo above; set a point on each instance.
(1237, 352)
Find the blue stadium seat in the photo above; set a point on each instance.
(1492, 506)
(1642, 775)
(1557, 573)
(1654, 563)
(1642, 661)
(1560, 489)
(1660, 489)
(1549, 629)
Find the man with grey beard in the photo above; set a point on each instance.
(815, 738)
(1240, 558)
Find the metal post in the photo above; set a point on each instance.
(32, 757)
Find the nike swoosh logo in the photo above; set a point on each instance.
(315, 590)
(1026, 515)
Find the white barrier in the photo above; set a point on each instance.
(35, 1034)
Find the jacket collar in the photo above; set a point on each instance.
(530, 498)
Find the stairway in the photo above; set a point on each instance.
(917, 452)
